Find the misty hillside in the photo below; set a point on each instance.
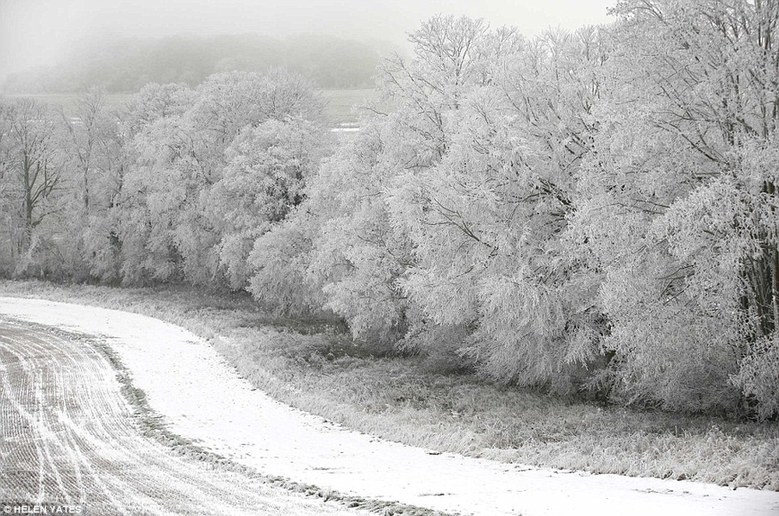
(127, 64)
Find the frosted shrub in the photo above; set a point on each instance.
(670, 353)
(358, 262)
(278, 262)
(758, 376)
(444, 346)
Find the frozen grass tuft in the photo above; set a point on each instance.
(314, 366)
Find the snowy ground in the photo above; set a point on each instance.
(70, 439)
(202, 398)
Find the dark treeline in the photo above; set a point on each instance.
(128, 64)
(590, 212)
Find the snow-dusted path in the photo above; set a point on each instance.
(202, 398)
(69, 437)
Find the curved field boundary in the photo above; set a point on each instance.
(75, 435)
(203, 399)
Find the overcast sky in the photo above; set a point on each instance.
(34, 32)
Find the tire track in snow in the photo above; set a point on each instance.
(68, 436)
(32, 361)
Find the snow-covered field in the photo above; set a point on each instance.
(69, 440)
(202, 398)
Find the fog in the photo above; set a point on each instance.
(41, 32)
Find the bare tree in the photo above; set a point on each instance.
(33, 161)
(86, 133)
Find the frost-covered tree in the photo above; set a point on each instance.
(485, 220)
(444, 216)
(173, 228)
(93, 143)
(143, 253)
(336, 251)
(264, 179)
(155, 101)
(357, 255)
(595, 209)
(279, 262)
(677, 206)
(32, 174)
(86, 134)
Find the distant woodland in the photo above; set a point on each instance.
(590, 213)
(125, 65)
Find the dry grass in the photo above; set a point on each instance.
(314, 366)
